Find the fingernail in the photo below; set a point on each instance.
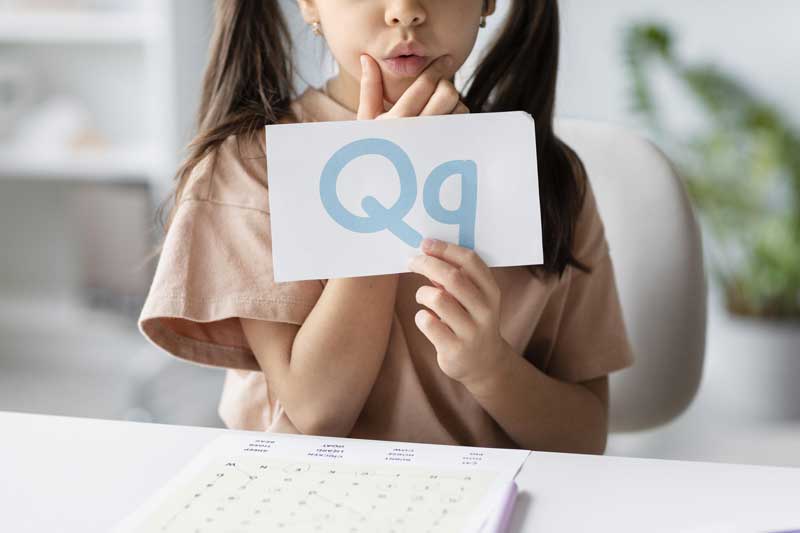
(363, 62)
(427, 244)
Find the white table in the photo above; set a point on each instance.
(79, 474)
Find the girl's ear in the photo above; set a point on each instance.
(308, 8)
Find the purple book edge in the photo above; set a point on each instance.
(507, 502)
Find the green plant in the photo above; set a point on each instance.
(742, 172)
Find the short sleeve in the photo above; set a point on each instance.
(215, 267)
(591, 339)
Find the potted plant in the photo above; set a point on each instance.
(741, 167)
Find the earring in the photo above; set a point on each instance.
(483, 21)
(316, 28)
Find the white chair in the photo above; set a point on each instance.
(656, 249)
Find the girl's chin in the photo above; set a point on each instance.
(393, 90)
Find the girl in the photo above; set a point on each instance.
(452, 352)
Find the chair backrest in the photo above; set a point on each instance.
(657, 254)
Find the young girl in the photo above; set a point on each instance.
(452, 352)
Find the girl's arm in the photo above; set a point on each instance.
(570, 417)
(323, 371)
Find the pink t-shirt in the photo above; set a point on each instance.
(216, 266)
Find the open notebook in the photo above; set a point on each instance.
(282, 482)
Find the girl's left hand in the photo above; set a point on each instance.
(464, 326)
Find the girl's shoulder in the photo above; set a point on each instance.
(232, 174)
(589, 239)
(235, 172)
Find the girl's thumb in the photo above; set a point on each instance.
(370, 103)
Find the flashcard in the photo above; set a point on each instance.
(356, 198)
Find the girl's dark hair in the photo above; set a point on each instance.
(518, 72)
(248, 84)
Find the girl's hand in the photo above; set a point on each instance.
(465, 323)
(430, 94)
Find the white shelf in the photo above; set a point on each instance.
(51, 26)
(94, 55)
(123, 163)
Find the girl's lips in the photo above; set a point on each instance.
(406, 65)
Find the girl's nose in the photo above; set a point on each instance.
(405, 12)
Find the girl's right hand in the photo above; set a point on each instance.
(430, 94)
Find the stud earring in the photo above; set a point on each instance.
(316, 28)
(483, 21)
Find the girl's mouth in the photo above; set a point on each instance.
(406, 65)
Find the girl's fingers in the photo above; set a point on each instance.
(446, 308)
(413, 99)
(435, 330)
(470, 261)
(444, 99)
(430, 94)
(454, 280)
(370, 103)
(460, 108)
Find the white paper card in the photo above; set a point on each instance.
(354, 198)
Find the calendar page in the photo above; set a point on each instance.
(299, 483)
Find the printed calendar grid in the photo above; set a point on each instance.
(251, 494)
(309, 484)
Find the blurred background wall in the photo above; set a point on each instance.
(107, 104)
(98, 97)
(758, 44)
